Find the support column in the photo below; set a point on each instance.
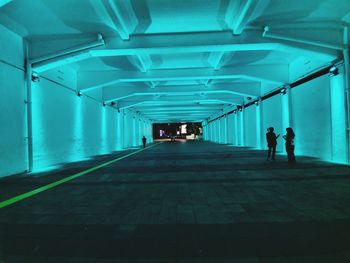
(119, 131)
(218, 128)
(29, 110)
(347, 89)
(338, 116)
(214, 131)
(286, 109)
(259, 128)
(235, 139)
(210, 131)
(134, 131)
(125, 127)
(226, 129)
(241, 114)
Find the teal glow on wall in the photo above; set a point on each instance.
(338, 117)
(104, 148)
(258, 126)
(41, 162)
(285, 110)
(119, 116)
(77, 147)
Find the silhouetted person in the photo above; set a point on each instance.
(289, 137)
(144, 141)
(271, 142)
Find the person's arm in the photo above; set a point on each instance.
(277, 136)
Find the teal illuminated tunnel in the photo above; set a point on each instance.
(86, 78)
(174, 131)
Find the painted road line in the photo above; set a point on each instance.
(65, 180)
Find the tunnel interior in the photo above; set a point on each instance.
(141, 131)
(236, 67)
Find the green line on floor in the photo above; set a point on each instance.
(64, 180)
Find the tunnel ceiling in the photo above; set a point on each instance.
(179, 60)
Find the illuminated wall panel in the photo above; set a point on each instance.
(338, 116)
(230, 129)
(12, 108)
(240, 128)
(69, 128)
(223, 128)
(250, 126)
(128, 132)
(311, 118)
(272, 117)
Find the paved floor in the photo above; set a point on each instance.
(182, 202)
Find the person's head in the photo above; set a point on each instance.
(271, 129)
(290, 131)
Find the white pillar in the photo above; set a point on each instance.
(119, 131)
(338, 117)
(218, 127)
(125, 131)
(287, 109)
(241, 114)
(226, 129)
(235, 130)
(214, 131)
(133, 131)
(259, 125)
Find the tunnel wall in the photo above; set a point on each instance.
(13, 132)
(65, 127)
(315, 110)
(250, 127)
(311, 118)
(68, 128)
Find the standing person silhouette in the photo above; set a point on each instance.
(289, 137)
(271, 142)
(144, 141)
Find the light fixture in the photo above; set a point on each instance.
(79, 94)
(256, 103)
(35, 77)
(283, 91)
(333, 71)
(113, 103)
(104, 104)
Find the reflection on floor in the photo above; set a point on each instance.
(182, 202)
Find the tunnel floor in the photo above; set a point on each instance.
(181, 202)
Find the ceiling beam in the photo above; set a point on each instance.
(67, 56)
(203, 42)
(268, 34)
(125, 104)
(142, 46)
(177, 108)
(275, 74)
(240, 89)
